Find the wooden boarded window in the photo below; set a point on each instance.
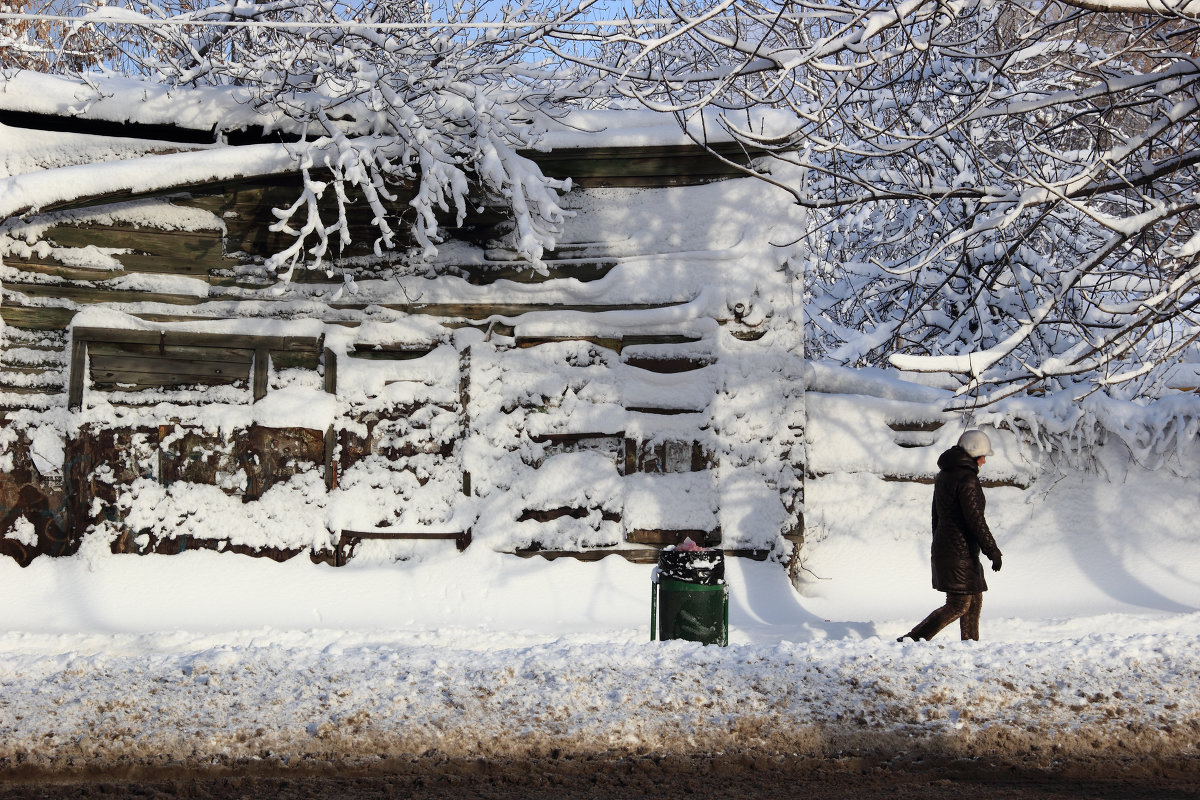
(132, 360)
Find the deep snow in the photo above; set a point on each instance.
(1090, 648)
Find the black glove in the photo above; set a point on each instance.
(996, 564)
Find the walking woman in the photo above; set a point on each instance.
(960, 533)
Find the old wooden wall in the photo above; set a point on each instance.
(39, 369)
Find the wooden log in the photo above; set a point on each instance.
(582, 271)
(664, 537)
(163, 349)
(36, 318)
(551, 514)
(51, 266)
(390, 352)
(573, 437)
(101, 294)
(106, 367)
(608, 342)
(349, 539)
(484, 311)
(75, 383)
(141, 381)
(43, 389)
(330, 371)
(295, 359)
(261, 365)
(662, 165)
(152, 250)
(172, 338)
(667, 365)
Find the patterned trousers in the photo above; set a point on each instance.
(962, 607)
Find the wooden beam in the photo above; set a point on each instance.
(36, 318)
(230, 355)
(101, 294)
(151, 250)
(330, 371)
(262, 360)
(78, 362)
(171, 338)
(331, 476)
(390, 352)
(105, 366)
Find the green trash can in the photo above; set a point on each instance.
(689, 598)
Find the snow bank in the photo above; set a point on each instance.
(482, 657)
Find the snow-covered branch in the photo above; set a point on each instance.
(1005, 192)
(406, 108)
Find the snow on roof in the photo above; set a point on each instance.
(134, 173)
(125, 100)
(209, 109)
(44, 167)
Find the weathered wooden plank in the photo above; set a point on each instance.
(582, 271)
(658, 536)
(609, 343)
(193, 250)
(616, 344)
(30, 369)
(130, 263)
(575, 438)
(663, 165)
(183, 316)
(618, 152)
(75, 382)
(259, 370)
(146, 264)
(47, 389)
(330, 359)
(630, 340)
(646, 171)
(105, 366)
(295, 359)
(329, 462)
(484, 311)
(100, 347)
(38, 318)
(349, 540)
(171, 265)
(663, 411)
(97, 294)
(55, 268)
(171, 338)
(139, 381)
(668, 365)
(573, 512)
(389, 352)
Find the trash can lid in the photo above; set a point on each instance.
(701, 567)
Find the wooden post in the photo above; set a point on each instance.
(330, 371)
(78, 365)
(262, 362)
(331, 476)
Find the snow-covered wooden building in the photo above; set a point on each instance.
(163, 389)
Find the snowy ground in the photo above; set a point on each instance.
(1091, 649)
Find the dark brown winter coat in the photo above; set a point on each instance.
(959, 530)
